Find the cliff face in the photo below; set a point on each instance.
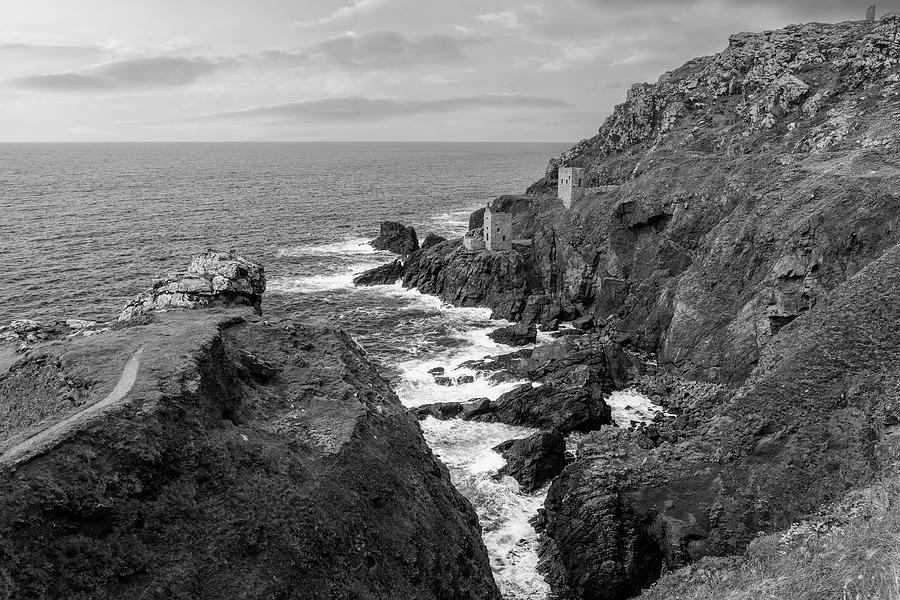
(497, 280)
(748, 237)
(807, 426)
(742, 226)
(211, 454)
(741, 189)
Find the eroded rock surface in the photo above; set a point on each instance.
(213, 278)
(397, 238)
(535, 460)
(212, 454)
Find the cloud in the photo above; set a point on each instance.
(49, 51)
(507, 19)
(345, 12)
(372, 51)
(360, 109)
(377, 50)
(132, 73)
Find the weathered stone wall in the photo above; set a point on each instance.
(569, 186)
(497, 230)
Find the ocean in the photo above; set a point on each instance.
(85, 227)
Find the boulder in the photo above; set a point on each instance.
(213, 278)
(432, 240)
(450, 410)
(519, 334)
(535, 460)
(384, 275)
(567, 401)
(397, 238)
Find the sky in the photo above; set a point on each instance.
(349, 70)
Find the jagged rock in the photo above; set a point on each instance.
(498, 280)
(445, 381)
(535, 460)
(432, 240)
(464, 379)
(387, 274)
(450, 410)
(213, 278)
(567, 401)
(519, 334)
(24, 332)
(693, 489)
(597, 542)
(436, 371)
(397, 238)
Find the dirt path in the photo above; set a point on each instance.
(52, 433)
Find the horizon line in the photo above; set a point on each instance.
(287, 142)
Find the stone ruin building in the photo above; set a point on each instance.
(497, 230)
(474, 239)
(494, 235)
(570, 186)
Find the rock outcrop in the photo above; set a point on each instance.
(567, 401)
(535, 460)
(497, 280)
(797, 435)
(432, 239)
(387, 274)
(397, 238)
(518, 334)
(213, 278)
(211, 454)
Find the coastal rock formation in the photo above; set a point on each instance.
(739, 230)
(432, 240)
(500, 281)
(24, 332)
(797, 435)
(567, 401)
(387, 274)
(211, 454)
(397, 238)
(738, 191)
(518, 334)
(535, 460)
(213, 278)
(601, 534)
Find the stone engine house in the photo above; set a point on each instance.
(497, 230)
(570, 185)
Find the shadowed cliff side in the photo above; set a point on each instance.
(246, 459)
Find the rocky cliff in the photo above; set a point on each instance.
(741, 228)
(211, 454)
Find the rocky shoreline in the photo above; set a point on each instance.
(735, 258)
(739, 242)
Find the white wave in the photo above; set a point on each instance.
(467, 450)
(317, 283)
(452, 223)
(630, 405)
(347, 247)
